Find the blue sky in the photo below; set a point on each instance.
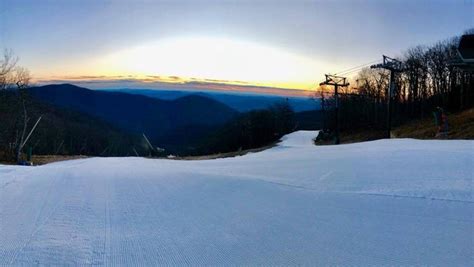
(57, 39)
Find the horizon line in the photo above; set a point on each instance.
(155, 82)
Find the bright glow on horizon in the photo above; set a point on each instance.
(196, 44)
(212, 58)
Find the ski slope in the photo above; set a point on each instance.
(388, 202)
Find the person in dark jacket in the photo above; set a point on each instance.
(441, 121)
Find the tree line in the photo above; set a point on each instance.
(252, 129)
(429, 80)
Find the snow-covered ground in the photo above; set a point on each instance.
(388, 202)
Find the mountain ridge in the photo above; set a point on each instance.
(241, 102)
(135, 113)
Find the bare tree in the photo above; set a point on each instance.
(14, 77)
(11, 75)
(7, 64)
(22, 78)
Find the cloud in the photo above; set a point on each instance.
(170, 83)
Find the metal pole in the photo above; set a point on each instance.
(148, 142)
(389, 103)
(336, 95)
(32, 130)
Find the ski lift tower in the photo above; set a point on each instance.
(394, 66)
(336, 81)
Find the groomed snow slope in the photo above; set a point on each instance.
(388, 202)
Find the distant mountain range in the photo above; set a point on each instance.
(241, 102)
(175, 120)
(137, 114)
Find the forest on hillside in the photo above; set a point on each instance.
(430, 79)
(61, 131)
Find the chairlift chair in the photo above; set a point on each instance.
(466, 48)
(465, 51)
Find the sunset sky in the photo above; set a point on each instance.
(248, 45)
